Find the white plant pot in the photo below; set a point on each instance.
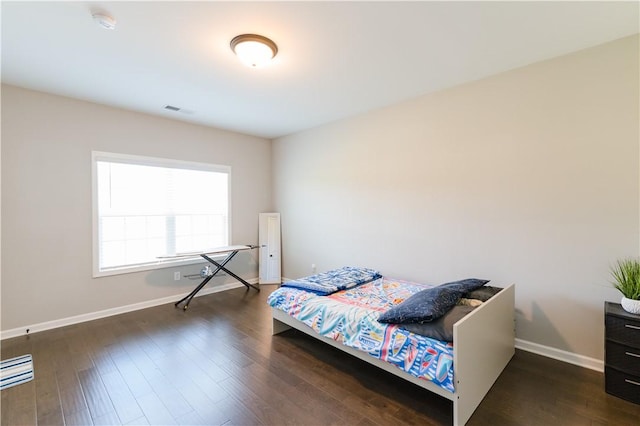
(630, 305)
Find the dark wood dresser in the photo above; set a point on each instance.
(622, 353)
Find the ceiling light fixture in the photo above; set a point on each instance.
(254, 50)
(104, 20)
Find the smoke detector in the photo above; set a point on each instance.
(105, 21)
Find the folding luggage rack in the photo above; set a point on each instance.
(219, 266)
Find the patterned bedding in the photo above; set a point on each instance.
(329, 282)
(350, 317)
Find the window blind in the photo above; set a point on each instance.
(148, 208)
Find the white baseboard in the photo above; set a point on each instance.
(7, 334)
(560, 355)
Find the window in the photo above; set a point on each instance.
(149, 207)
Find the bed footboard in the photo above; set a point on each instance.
(484, 343)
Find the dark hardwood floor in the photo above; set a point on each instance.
(217, 364)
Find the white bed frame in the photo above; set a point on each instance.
(483, 345)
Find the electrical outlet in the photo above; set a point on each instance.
(313, 268)
(176, 276)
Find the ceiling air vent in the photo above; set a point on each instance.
(171, 108)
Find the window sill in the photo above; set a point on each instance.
(152, 266)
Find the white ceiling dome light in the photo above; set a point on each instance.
(105, 21)
(254, 50)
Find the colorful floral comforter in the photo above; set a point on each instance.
(350, 317)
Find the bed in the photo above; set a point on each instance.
(346, 318)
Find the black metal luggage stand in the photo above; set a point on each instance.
(220, 266)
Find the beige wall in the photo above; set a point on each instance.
(46, 201)
(531, 176)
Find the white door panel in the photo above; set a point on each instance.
(269, 241)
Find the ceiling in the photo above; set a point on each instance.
(335, 59)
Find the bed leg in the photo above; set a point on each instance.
(279, 327)
(456, 414)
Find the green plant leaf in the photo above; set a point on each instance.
(626, 278)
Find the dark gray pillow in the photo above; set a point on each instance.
(465, 285)
(430, 304)
(441, 328)
(483, 293)
(425, 305)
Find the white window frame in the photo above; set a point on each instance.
(149, 161)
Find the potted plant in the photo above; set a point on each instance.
(626, 275)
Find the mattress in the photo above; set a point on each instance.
(350, 317)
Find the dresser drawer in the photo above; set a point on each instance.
(623, 330)
(625, 386)
(623, 357)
